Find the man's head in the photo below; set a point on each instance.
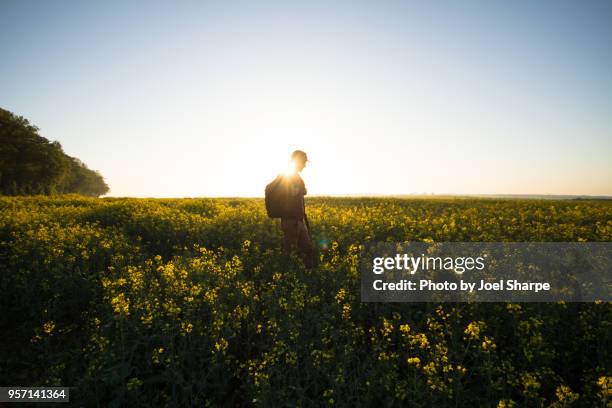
(299, 159)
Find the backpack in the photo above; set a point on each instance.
(278, 199)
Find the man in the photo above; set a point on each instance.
(296, 234)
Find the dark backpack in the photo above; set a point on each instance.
(278, 199)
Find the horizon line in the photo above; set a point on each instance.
(401, 195)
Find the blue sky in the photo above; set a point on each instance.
(173, 99)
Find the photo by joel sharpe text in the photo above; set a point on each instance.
(465, 286)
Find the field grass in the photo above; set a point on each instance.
(153, 302)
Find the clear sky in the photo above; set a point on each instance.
(173, 99)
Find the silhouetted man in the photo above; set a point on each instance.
(296, 234)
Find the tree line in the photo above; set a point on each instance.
(31, 164)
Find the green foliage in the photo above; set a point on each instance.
(144, 302)
(30, 164)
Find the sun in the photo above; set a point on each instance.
(290, 169)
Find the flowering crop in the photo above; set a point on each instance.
(149, 302)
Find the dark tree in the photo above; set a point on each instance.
(31, 164)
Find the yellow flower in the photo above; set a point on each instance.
(564, 394)
(387, 327)
(120, 305)
(420, 339)
(430, 368)
(48, 327)
(473, 330)
(414, 361)
(346, 311)
(530, 385)
(488, 344)
(340, 295)
(605, 385)
(221, 345)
